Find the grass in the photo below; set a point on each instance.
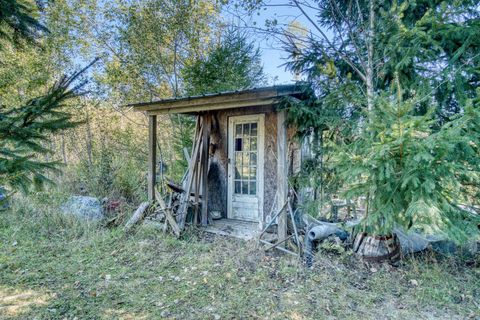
(55, 267)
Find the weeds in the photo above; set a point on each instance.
(57, 267)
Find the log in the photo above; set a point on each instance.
(377, 248)
(175, 187)
(137, 215)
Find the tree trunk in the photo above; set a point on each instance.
(370, 67)
(377, 248)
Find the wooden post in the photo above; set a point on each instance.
(197, 180)
(282, 183)
(196, 221)
(152, 156)
(204, 159)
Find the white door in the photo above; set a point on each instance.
(245, 167)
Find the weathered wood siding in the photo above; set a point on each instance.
(217, 176)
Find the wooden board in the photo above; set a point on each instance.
(152, 156)
(234, 228)
(192, 166)
(226, 100)
(282, 183)
(168, 214)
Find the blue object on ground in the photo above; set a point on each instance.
(4, 203)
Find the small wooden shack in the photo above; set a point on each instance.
(241, 155)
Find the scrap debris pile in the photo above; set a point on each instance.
(173, 213)
(336, 233)
(160, 214)
(305, 233)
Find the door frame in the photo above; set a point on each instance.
(232, 120)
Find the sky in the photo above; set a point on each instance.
(273, 57)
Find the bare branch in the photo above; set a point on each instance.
(330, 44)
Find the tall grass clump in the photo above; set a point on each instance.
(116, 168)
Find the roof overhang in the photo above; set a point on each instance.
(218, 101)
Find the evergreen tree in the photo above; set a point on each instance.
(412, 174)
(433, 47)
(430, 45)
(233, 64)
(18, 21)
(25, 128)
(413, 152)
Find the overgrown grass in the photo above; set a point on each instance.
(56, 267)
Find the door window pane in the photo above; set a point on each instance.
(245, 173)
(253, 131)
(246, 129)
(238, 144)
(246, 158)
(244, 187)
(238, 159)
(253, 173)
(252, 144)
(246, 144)
(238, 130)
(253, 187)
(253, 159)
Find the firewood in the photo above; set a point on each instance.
(137, 215)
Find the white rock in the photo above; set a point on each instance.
(83, 207)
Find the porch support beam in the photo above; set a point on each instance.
(282, 183)
(204, 166)
(152, 156)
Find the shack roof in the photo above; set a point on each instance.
(221, 100)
